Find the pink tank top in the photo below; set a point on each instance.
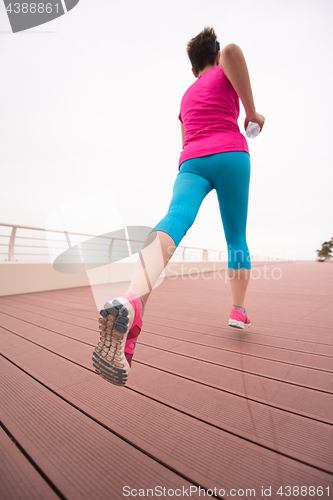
(209, 111)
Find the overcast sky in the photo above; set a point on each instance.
(89, 102)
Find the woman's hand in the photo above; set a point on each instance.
(255, 118)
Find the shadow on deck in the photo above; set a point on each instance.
(206, 405)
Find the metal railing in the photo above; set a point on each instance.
(24, 244)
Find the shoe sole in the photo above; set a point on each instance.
(108, 357)
(238, 324)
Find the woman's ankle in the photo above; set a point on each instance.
(238, 307)
(143, 297)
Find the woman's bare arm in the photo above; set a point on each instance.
(234, 66)
(183, 133)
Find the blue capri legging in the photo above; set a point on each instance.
(229, 174)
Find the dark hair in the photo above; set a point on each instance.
(202, 49)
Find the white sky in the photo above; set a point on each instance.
(90, 101)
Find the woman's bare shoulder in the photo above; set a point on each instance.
(231, 47)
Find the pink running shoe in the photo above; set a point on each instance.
(238, 318)
(120, 326)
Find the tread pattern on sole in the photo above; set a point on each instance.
(238, 324)
(108, 357)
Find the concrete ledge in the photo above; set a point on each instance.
(20, 277)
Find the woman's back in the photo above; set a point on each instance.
(209, 112)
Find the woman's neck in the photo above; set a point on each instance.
(206, 68)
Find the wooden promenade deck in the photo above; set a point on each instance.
(205, 406)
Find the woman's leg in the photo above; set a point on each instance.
(154, 257)
(121, 320)
(188, 193)
(239, 280)
(232, 187)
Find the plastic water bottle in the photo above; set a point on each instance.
(252, 130)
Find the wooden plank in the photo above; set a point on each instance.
(165, 337)
(292, 435)
(278, 350)
(302, 376)
(83, 458)
(253, 418)
(79, 450)
(275, 392)
(237, 351)
(159, 322)
(19, 480)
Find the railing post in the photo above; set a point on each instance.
(183, 257)
(205, 255)
(110, 250)
(12, 244)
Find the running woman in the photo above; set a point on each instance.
(215, 155)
